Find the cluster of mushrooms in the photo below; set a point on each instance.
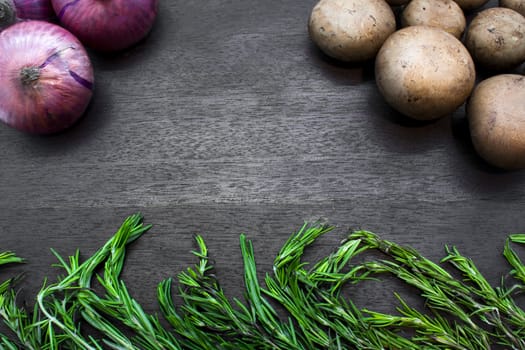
(428, 55)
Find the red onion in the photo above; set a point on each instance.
(35, 9)
(107, 25)
(13, 10)
(46, 77)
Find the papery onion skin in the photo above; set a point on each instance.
(107, 25)
(35, 9)
(46, 77)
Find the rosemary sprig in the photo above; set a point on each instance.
(518, 268)
(297, 305)
(8, 258)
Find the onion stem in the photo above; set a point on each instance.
(29, 75)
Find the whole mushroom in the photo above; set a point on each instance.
(351, 30)
(496, 116)
(496, 38)
(444, 14)
(424, 72)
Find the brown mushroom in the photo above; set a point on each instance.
(351, 30)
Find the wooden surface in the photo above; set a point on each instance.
(228, 120)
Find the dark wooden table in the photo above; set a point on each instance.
(228, 120)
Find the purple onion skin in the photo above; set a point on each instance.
(107, 25)
(35, 9)
(46, 77)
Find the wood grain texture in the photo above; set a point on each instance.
(227, 120)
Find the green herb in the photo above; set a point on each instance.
(298, 305)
